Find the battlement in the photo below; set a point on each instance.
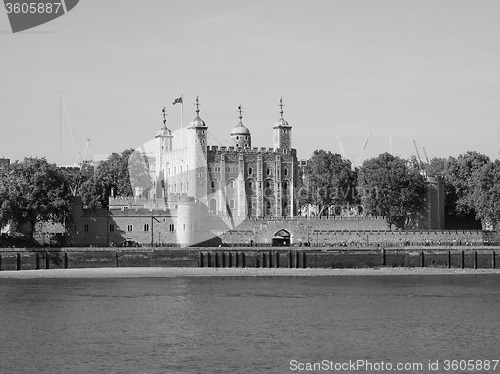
(136, 202)
(254, 150)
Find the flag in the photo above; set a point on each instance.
(177, 101)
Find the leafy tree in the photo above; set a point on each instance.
(486, 193)
(329, 181)
(389, 187)
(115, 175)
(33, 191)
(460, 174)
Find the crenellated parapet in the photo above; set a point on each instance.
(214, 149)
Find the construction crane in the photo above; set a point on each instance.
(341, 147)
(356, 158)
(80, 157)
(420, 164)
(426, 158)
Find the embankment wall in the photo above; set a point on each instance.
(269, 257)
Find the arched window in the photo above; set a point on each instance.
(231, 204)
(213, 206)
(250, 170)
(268, 171)
(285, 172)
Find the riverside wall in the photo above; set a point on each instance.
(267, 257)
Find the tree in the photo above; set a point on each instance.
(392, 189)
(486, 193)
(33, 191)
(460, 173)
(114, 175)
(329, 181)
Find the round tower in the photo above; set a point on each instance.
(185, 221)
(197, 156)
(282, 131)
(240, 134)
(163, 145)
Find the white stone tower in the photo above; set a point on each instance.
(282, 132)
(163, 145)
(240, 134)
(197, 157)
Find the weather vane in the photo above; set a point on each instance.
(197, 105)
(164, 115)
(240, 109)
(281, 105)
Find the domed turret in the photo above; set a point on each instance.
(282, 131)
(197, 122)
(241, 134)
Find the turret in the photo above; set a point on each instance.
(240, 134)
(282, 132)
(163, 145)
(197, 156)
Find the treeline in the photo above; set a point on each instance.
(394, 187)
(34, 190)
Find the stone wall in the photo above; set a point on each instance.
(67, 258)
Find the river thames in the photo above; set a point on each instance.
(247, 324)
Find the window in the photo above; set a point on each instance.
(285, 186)
(268, 185)
(181, 186)
(285, 172)
(171, 227)
(146, 227)
(230, 183)
(231, 204)
(129, 228)
(86, 227)
(112, 227)
(268, 171)
(237, 138)
(250, 170)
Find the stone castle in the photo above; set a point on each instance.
(215, 194)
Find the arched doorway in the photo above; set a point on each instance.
(281, 238)
(213, 207)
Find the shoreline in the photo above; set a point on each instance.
(139, 272)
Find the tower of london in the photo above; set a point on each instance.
(239, 181)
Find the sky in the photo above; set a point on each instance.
(401, 71)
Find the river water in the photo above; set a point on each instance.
(246, 324)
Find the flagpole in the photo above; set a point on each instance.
(182, 121)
